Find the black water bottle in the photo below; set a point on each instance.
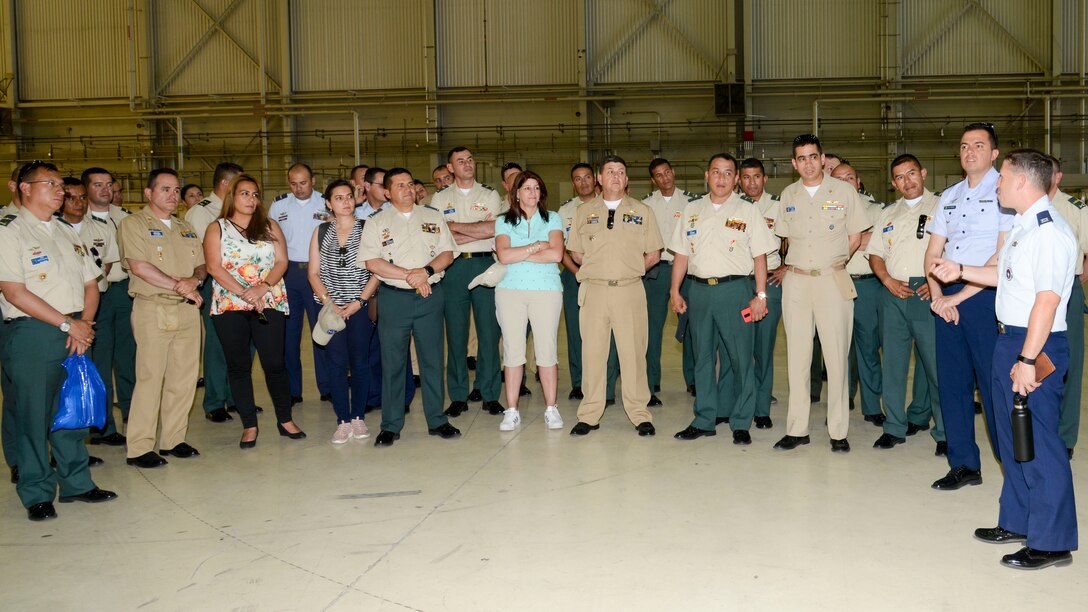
(1023, 444)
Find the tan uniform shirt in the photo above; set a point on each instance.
(668, 212)
(10, 209)
(895, 236)
(97, 237)
(204, 214)
(408, 241)
(614, 254)
(1075, 213)
(723, 241)
(819, 226)
(768, 205)
(859, 263)
(116, 215)
(175, 250)
(47, 257)
(566, 216)
(481, 203)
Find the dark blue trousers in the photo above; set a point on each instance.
(348, 351)
(300, 299)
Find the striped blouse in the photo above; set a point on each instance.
(342, 278)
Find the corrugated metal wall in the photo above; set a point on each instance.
(805, 40)
(637, 41)
(1072, 35)
(56, 39)
(358, 44)
(190, 61)
(459, 42)
(977, 37)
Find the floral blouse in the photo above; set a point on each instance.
(249, 263)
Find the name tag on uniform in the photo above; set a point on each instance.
(635, 219)
(449, 211)
(889, 228)
(791, 209)
(950, 207)
(320, 216)
(386, 243)
(430, 228)
(282, 217)
(593, 219)
(985, 201)
(155, 233)
(98, 242)
(692, 232)
(37, 261)
(736, 224)
(835, 206)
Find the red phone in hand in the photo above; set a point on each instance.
(746, 314)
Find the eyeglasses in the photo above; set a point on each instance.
(50, 182)
(343, 251)
(611, 218)
(921, 232)
(29, 167)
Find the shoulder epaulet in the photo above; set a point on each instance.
(776, 198)
(647, 196)
(1075, 201)
(204, 202)
(123, 210)
(747, 198)
(954, 184)
(281, 196)
(102, 221)
(938, 193)
(7, 220)
(865, 193)
(424, 206)
(441, 189)
(1043, 217)
(487, 187)
(693, 197)
(62, 220)
(687, 193)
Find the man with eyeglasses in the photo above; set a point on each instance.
(376, 196)
(218, 401)
(969, 229)
(114, 351)
(49, 298)
(614, 240)
(299, 212)
(470, 209)
(896, 256)
(823, 218)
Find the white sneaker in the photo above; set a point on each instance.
(358, 429)
(510, 420)
(552, 418)
(342, 433)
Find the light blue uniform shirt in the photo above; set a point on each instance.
(298, 220)
(530, 275)
(1040, 254)
(365, 211)
(971, 219)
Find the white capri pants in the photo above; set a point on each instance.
(515, 309)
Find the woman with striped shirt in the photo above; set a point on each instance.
(335, 277)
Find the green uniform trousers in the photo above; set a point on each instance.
(766, 332)
(216, 388)
(34, 352)
(906, 323)
(865, 349)
(715, 320)
(687, 359)
(402, 314)
(460, 302)
(7, 418)
(657, 282)
(1069, 412)
(114, 351)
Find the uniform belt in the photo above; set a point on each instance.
(401, 289)
(819, 272)
(162, 298)
(717, 280)
(301, 265)
(862, 276)
(477, 254)
(70, 315)
(611, 283)
(1010, 329)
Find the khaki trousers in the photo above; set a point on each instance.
(815, 304)
(167, 363)
(620, 309)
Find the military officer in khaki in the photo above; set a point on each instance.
(896, 255)
(823, 219)
(94, 232)
(49, 297)
(718, 245)
(166, 261)
(614, 240)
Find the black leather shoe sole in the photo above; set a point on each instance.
(763, 422)
(182, 451)
(886, 441)
(456, 408)
(942, 449)
(646, 429)
(386, 438)
(219, 415)
(791, 442)
(1030, 559)
(875, 419)
(147, 461)
(93, 461)
(94, 496)
(955, 480)
(654, 402)
(997, 535)
(114, 439)
(913, 429)
(694, 433)
(840, 446)
(524, 391)
(493, 407)
(41, 512)
(741, 436)
(581, 429)
(576, 394)
(475, 396)
(445, 432)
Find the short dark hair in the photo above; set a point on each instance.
(419, 182)
(333, 185)
(298, 165)
(727, 157)
(1057, 163)
(71, 181)
(454, 151)
(807, 139)
(611, 159)
(390, 173)
(357, 168)
(836, 156)
(515, 214)
(185, 189)
(902, 159)
(1034, 164)
(440, 167)
(581, 165)
(86, 175)
(373, 172)
(985, 127)
(156, 173)
(752, 162)
(658, 161)
(225, 171)
(510, 166)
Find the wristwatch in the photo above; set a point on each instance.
(65, 325)
(429, 270)
(761, 295)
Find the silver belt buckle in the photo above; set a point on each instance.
(613, 283)
(1000, 327)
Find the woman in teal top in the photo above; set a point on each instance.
(529, 240)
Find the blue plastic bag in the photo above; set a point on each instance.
(82, 396)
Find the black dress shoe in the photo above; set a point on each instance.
(576, 394)
(840, 446)
(93, 461)
(851, 403)
(296, 399)
(470, 362)
(219, 415)
(15, 475)
(691, 390)
(326, 397)
(146, 461)
(200, 382)
(942, 449)
(386, 438)
(721, 420)
(763, 422)
(692, 433)
(913, 429)
(886, 441)
(791, 442)
(1031, 559)
(581, 429)
(978, 407)
(957, 477)
(814, 398)
(41, 512)
(645, 428)
(475, 396)
(609, 402)
(445, 431)
(415, 380)
(94, 496)
(654, 402)
(114, 439)
(493, 407)
(1070, 453)
(298, 435)
(456, 408)
(875, 419)
(997, 535)
(741, 436)
(657, 389)
(182, 450)
(524, 391)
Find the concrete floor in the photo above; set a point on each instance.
(528, 520)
